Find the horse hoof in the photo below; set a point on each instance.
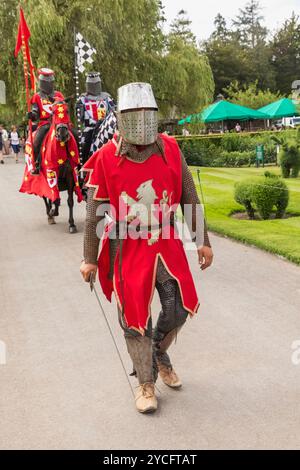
(73, 229)
(53, 213)
(51, 221)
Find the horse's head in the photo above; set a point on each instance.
(61, 121)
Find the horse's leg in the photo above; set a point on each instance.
(55, 212)
(72, 226)
(48, 204)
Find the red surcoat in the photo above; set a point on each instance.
(127, 185)
(45, 106)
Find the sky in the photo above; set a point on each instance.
(203, 13)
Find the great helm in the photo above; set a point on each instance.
(93, 84)
(137, 114)
(46, 81)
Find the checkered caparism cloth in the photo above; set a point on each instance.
(84, 52)
(105, 132)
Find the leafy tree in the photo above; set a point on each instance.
(250, 95)
(221, 31)
(285, 50)
(227, 60)
(9, 70)
(188, 83)
(181, 28)
(242, 52)
(248, 25)
(130, 44)
(252, 37)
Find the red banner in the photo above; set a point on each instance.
(23, 43)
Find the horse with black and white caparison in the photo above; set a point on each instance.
(59, 166)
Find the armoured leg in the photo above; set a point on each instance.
(86, 145)
(170, 321)
(37, 146)
(140, 350)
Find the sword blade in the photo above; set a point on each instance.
(93, 289)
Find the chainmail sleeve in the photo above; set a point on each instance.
(91, 239)
(190, 202)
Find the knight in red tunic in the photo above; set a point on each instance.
(143, 177)
(41, 111)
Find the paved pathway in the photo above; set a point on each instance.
(62, 386)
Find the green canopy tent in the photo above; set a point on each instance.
(186, 120)
(224, 111)
(227, 111)
(280, 109)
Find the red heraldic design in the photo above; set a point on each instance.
(54, 155)
(131, 187)
(45, 106)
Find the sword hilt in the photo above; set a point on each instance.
(92, 281)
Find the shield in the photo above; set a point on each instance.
(51, 178)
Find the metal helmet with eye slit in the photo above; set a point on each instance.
(46, 81)
(137, 114)
(93, 84)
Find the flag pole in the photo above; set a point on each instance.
(77, 110)
(28, 99)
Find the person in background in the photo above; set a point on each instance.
(15, 142)
(238, 128)
(185, 132)
(1, 144)
(5, 141)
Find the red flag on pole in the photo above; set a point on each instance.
(23, 42)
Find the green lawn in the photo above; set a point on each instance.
(277, 236)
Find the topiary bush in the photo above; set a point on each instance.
(264, 197)
(243, 194)
(290, 160)
(270, 192)
(289, 155)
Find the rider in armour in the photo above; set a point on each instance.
(41, 111)
(93, 107)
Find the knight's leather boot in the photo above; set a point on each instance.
(169, 376)
(163, 365)
(37, 165)
(140, 351)
(36, 170)
(145, 399)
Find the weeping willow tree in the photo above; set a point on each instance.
(188, 82)
(130, 44)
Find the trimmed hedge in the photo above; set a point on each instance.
(243, 194)
(264, 195)
(228, 150)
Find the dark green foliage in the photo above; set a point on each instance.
(243, 194)
(289, 154)
(131, 46)
(229, 150)
(246, 53)
(264, 195)
(285, 50)
(290, 160)
(269, 174)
